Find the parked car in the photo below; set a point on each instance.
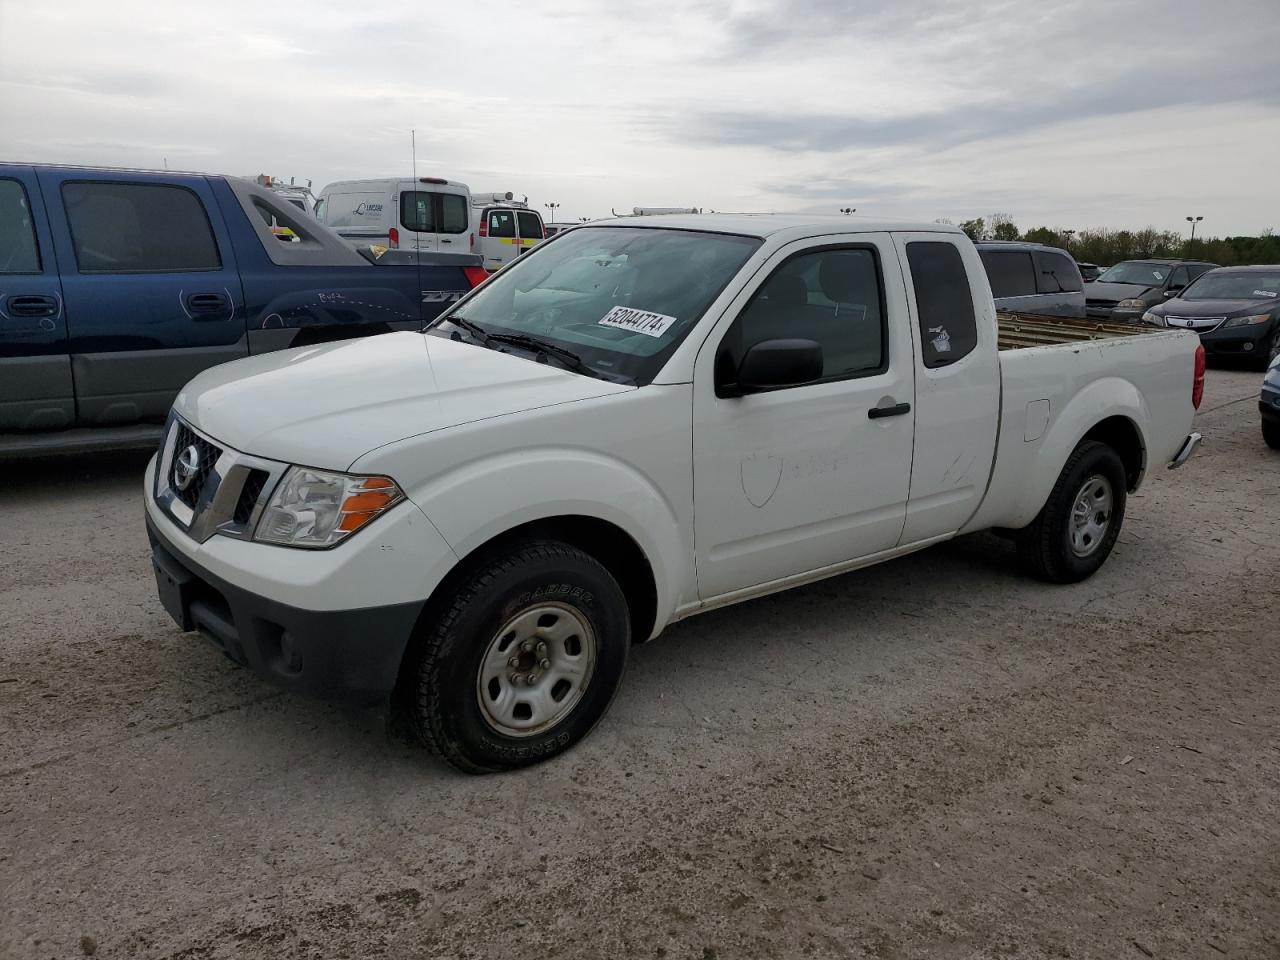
(1089, 271)
(119, 286)
(638, 421)
(428, 214)
(1236, 311)
(1032, 278)
(505, 228)
(1269, 405)
(1123, 293)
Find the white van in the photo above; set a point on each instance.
(505, 228)
(426, 214)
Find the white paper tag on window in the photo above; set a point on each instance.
(1265, 293)
(637, 321)
(942, 342)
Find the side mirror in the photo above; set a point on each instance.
(1173, 292)
(774, 363)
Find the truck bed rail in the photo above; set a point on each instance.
(1018, 331)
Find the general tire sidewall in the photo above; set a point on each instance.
(586, 587)
(1105, 462)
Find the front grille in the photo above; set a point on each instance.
(193, 459)
(249, 494)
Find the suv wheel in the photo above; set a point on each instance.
(1074, 532)
(523, 661)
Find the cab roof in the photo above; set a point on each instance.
(763, 225)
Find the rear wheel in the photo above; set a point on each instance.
(523, 661)
(1075, 531)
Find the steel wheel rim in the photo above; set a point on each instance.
(536, 669)
(1091, 515)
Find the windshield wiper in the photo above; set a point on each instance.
(474, 329)
(545, 347)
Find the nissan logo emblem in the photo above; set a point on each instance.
(186, 467)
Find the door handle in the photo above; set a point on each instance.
(207, 305)
(444, 240)
(897, 410)
(32, 305)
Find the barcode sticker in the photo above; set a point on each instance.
(637, 321)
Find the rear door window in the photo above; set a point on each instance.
(1057, 273)
(502, 223)
(417, 211)
(138, 228)
(530, 225)
(453, 213)
(1011, 272)
(18, 250)
(944, 302)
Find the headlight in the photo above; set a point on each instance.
(1247, 321)
(316, 509)
(1133, 304)
(1151, 318)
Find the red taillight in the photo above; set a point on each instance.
(1197, 385)
(484, 226)
(475, 276)
(393, 238)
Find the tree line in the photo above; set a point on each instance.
(1105, 247)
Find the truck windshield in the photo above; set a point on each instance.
(1252, 285)
(619, 298)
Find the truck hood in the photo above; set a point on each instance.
(328, 405)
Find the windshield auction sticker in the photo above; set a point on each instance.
(637, 321)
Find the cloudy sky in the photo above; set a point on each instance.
(1072, 114)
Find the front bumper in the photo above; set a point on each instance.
(351, 655)
(1249, 341)
(1269, 402)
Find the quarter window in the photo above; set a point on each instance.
(138, 228)
(833, 297)
(1057, 273)
(1010, 272)
(18, 251)
(944, 302)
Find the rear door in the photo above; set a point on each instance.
(497, 245)
(957, 382)
(453, 212)
(35, 366)
(529, 225)
(418, 216)
(151, 287)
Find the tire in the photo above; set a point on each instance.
(1065, 546)
(1271, 433)
(1275, 346)
(465, 699)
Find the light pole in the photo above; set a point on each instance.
(848, 210)
(1191, 247)
(552, 207)
(1066, 239)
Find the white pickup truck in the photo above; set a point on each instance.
(638, 421)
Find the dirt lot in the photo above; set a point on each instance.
(932, 758)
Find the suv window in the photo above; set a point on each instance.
(502, 223)
(138, 228)
(1179, 278)
(1011, 272)
(453, 213)
(417, 212)
(1057, 273)
(18, 251)
(530, 225)
(834, 297)
(944, 302)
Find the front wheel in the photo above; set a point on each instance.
(524, 659)
(1271, 433)
(1074, 532)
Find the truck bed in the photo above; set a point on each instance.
(1018, 331)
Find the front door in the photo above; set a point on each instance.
(152, 292)
(801, 478)
(35, 366)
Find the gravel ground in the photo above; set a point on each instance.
(933, 758)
